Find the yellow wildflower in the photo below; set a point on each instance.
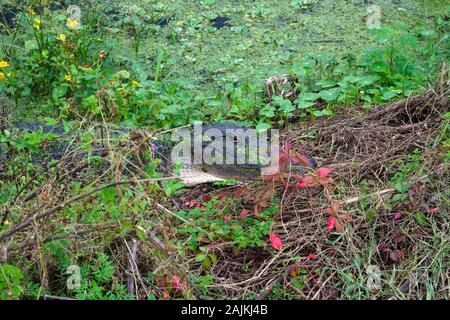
(38, 22)
(3, 76)
(67, 77)
(136, 83)
(62, 37)
(4, 64)
(31, 11)
(72, 23)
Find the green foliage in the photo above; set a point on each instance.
(404, 177)
(97, 281)
(216, 221)
(11, 282)
(28, 141)
(74, 73)
(303, 4)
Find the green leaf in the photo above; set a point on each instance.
(91, 104)
(379, 66)
(207, 263)
(50, 121)
(59, 91)
(31, 45)
(329, 95)
(125, 228)
(305, 104)
(283, 104)
(200, 257)
(309, 96)
(388, 95)
(124, 74)
(25, 92)
(326, 83)
(321, 113)
(268, 112)
(141, 234)
(367, 80)
(428, 33)
(421, 219)
(260, 127)
(351, 79)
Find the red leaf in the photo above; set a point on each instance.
(276, 241)
(323, 172)
(287, 146)
(306, 181)
(177, 283)
(268, 178)
(312, 256)
(396, 255)
(193, 203)
(433, 210)
(241, 191)
(304, 161)
(301, 184)
(243, 214)
(331, 224)
(222, 196)
(334, 208)
(397, 215)
(166, 294)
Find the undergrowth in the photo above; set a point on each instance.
(122, 241)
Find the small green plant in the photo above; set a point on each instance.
(97, 281)
(28, 141)
(11, 282)
(404, 177)
(215, 221)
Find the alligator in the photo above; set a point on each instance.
(191, 173)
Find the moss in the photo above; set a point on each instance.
(264, 38)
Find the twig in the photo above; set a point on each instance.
(134, 269)
(378, 194)
(375, 194)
